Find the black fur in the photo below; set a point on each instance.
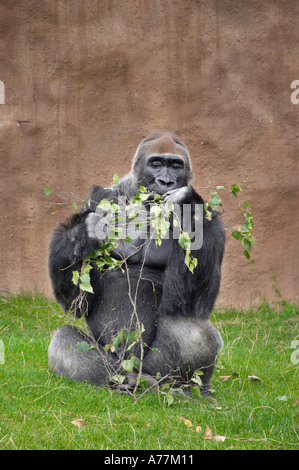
(173, 304)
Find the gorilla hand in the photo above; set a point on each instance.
(91, 221)
(97, 227)
(177, 196)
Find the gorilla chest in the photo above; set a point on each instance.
(139, 249)
(113, 311)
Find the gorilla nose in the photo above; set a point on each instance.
(165, 184)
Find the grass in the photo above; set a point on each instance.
(37, 408)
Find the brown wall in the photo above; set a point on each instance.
(94, 77)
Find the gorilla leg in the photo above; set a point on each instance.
(184, 345)
(66, 359)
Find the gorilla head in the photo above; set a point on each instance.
(161, 163)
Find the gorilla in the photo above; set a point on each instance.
(174, 305)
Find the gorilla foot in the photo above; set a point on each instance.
(66, 360)
(148, 382)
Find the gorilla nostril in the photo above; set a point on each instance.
(167, 184)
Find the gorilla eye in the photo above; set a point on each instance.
(177, 166)
(155, 164)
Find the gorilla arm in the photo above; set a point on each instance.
(72, 241)
(185, 339)
(190, 294)
(69, 245)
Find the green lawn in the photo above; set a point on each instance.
(37, 408)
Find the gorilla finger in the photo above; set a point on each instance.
(176, 195)
(90, 222)
(169, 195)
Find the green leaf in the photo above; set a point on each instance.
(87, 269)
(236, 234)
(142, 189)
(47, 191)
(130, 364)
(127, 365)
(105, 205)
(85, 347)
(196, 392)
(184, 240)
(85, 278)
(118, 339)
(143, 197)
(86, 287)
(132, 214)
(75, 278)
(165, 224)
(196, 379)
(85, 283)
(215, 201)
(130, 338)
(190, 262)
(100, 264)
(208, 212)
(95, 254)
(246, 228)
(143, 382)
(115, 178)
(178, 391)
(169, 399)
(118, 378)
(74, 205)
(108, 259)
(247, 244)
(208, 215)
(235, 188)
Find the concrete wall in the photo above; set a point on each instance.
(85, 81)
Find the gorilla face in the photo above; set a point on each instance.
(163, 172)
(162, 163)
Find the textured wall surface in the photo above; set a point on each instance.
(85, 81)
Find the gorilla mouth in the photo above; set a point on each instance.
(156, 194)
(165, 186)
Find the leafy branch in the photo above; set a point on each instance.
(158, 218)
(242, 233)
